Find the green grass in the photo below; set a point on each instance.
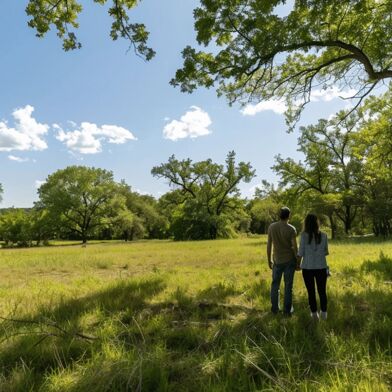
(167, 316)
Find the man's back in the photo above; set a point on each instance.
(281, 235)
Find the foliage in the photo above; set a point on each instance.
(207, 195)
(264, 207)
(15, 227)
(374, 143)
(63, 16)
(258, 51)
(44, 226)
(148, 221)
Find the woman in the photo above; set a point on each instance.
(313, 250)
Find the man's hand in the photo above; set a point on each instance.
(270, 264)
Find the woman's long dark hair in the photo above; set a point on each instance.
(311, 227)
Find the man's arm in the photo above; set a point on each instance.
(295, 249)
(269, 249)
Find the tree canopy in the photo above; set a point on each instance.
(80, 197)
(63, 16)
(332, 173)
(258, 51)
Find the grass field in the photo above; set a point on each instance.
(166, 316)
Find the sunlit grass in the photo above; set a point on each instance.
(160, 315)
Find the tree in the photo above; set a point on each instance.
(15, 227)
(374, 143)
(83, 198)
(258, 53)
(148, 221)
(44, 226)
(63, 16)
(332, 174)
(206, 195)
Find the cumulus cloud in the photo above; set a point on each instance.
(26, 134)
(279, 106)
(88, 137)
(194, 123)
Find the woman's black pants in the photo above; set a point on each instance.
(318, 276)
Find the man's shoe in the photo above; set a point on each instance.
(323, 315)
(315, 316)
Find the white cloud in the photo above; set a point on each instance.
(17, 159)
(38, 183)
(26, 134)
(279, 106)
(88, 137)
(194, 123)
(327, 95)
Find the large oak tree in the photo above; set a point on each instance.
(82, 198)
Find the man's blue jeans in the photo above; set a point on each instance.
(287, 270)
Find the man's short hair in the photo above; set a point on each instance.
(284, 213)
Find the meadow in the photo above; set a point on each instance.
(189, 316)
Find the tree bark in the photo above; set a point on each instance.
(333, 226)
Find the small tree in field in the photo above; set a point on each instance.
(81, 197)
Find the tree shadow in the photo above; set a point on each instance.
(39, 338)
(218, 292)
(381, 268)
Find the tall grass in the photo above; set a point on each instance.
(164, 316)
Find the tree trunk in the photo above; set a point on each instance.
(213, 232)
(348, 220)
(333, 226)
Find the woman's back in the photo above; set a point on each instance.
(313, 253)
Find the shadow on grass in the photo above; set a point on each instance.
(218, 292)
(194, 343)
(382, 267)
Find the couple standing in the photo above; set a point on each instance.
(287, 258)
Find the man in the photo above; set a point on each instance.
(282, 237)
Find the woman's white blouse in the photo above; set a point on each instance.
(313, 255)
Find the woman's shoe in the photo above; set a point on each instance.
(315, 316)
(323, 315)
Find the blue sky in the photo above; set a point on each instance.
(90, 105)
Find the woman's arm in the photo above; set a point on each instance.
(301, 251)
